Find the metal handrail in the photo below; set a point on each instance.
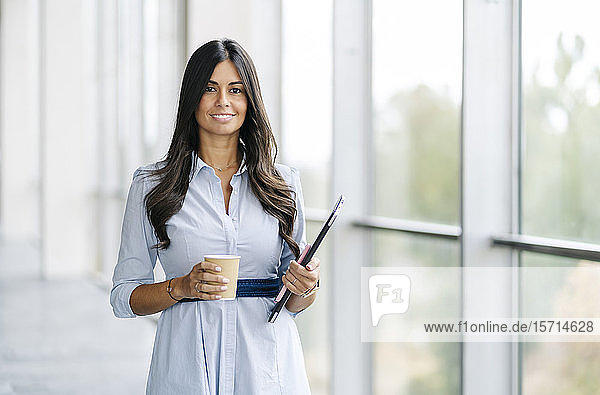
(404, 225)
(543, 245)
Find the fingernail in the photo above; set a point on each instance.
(225, 280)
(218, 296)
(218, 268)
(223, 287)
(309, 267)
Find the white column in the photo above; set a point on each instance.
(266, 52)
(487, 184)
(93, 119)
(130, 74)
(140, 59)
(19, 121)
(351, 359)
(164, 63)
(66, 196)
(112, 184)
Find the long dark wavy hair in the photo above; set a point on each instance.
(165, 199)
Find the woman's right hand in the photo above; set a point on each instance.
(194, 285)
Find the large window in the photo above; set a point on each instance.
(416, 79)
(306, 95)
(561, 114)
(560, 187)
(568, 291)
(417, 368)
(416, 94)
(306, 144)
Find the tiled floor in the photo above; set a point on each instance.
(60, 337)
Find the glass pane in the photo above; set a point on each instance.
(416, 368)
(560, 368)
(417, 82)
(394, 249)
(306, 95)
(313, 324)
(426, 368)
(561, 114)
(306, 144)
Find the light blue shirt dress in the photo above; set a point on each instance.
(222, 346)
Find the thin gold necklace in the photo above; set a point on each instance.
(223, 168)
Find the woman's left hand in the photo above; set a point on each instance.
(298, 279)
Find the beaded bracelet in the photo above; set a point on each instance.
(169, 289)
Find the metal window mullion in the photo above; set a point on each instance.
(516, 166)
(39, 15)
(487, 184)
(351, 359)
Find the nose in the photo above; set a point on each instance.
(222, 99)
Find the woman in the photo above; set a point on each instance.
(218, 191)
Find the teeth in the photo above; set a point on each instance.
(220, 116)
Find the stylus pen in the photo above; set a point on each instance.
(305, 258)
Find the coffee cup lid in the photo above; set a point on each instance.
(222, 256)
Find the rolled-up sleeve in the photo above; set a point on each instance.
(299, 233)
(137, 258)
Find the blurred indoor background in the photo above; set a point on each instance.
(463, 133)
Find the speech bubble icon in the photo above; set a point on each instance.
(389, 294)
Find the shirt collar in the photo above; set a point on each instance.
(198, 164)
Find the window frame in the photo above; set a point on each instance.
(505, 241)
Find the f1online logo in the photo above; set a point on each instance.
(389, 294)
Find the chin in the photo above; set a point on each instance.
(221, 132)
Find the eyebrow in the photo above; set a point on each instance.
(231, 83)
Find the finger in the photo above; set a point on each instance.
(208, 277)
(308, 276)
(209, 288)
(208, 296)
(207, 266)
(299, 288)
(313, 264)
(304, 276)
(292, 274)
(205, 295)
(294, 283)
(293, 288)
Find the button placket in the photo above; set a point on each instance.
(221, 196)
(219, 204)
(234, 201)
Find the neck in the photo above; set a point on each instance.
(218, 151)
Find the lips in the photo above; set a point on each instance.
(222, 117)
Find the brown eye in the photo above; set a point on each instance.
(236, 90)
(209, 89)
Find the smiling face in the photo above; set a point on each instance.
(223, 105)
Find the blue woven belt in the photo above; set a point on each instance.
(256, 287)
